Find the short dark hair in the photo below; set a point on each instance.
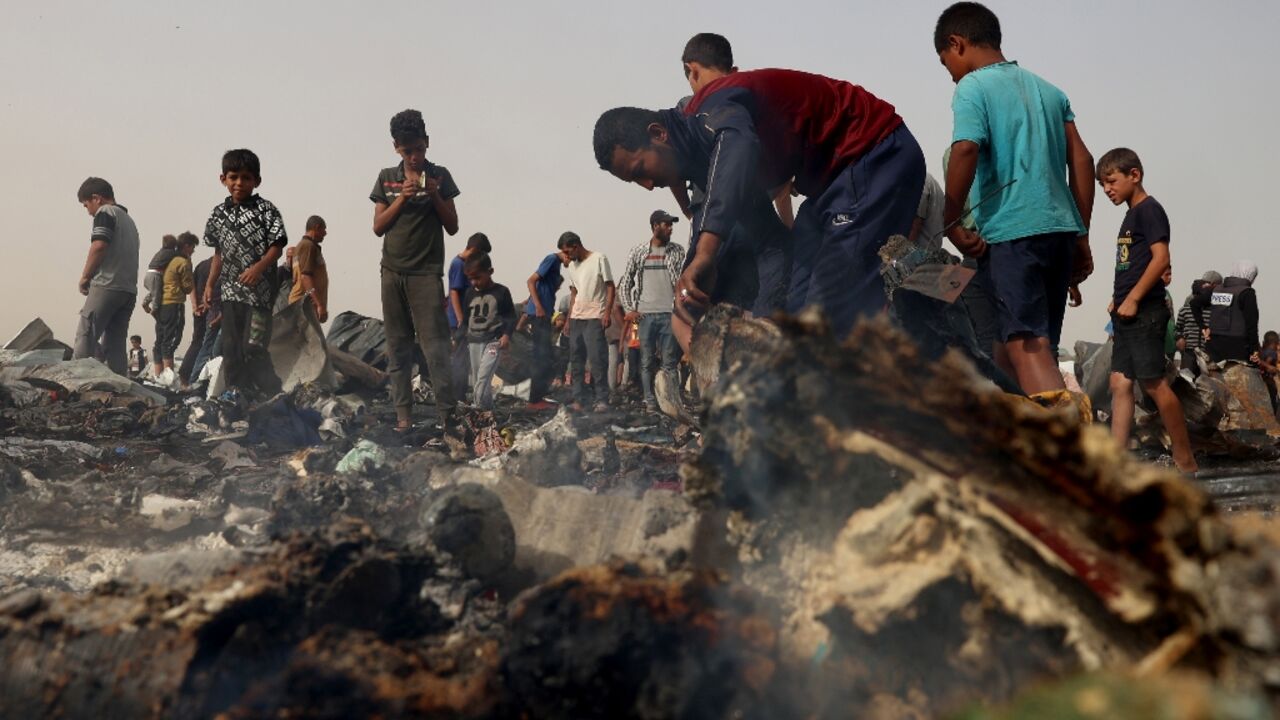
(407, 126)
(971, 21)
(1271, 335)
(568, 238)
(169, 241)
(241, 160)
(95, 186)
(709, 50)
(479, 261)
(624, 127)
(188, 238)
(479, 241)
(135, 338)
(315, 221)
(1121, 160)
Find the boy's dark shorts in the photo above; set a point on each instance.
(1028, 280)
(1138, 353)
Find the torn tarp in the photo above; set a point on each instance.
(31, 357)
(79, 376)
(37, 336)
(298, 351)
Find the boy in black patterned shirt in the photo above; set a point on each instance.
(247, 234)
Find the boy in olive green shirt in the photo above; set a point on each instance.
(413, 208)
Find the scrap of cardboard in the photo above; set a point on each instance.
(944, 282)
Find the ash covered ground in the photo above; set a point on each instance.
(850, 531)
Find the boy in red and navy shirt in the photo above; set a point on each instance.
(748, 133)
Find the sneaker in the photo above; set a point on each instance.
(651, 406)
(540, 405)
(600, 407)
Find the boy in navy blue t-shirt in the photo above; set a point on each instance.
(543, 284)
(1138, 310)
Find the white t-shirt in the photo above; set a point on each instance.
(930, 214)
(589, 278)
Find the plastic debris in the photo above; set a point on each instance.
(366, 456)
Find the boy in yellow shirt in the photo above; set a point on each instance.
(171, 314)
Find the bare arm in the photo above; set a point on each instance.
(215, 269)
(97, 251)
(916, 226)
(447, 212)
(610, 294)
(1080, 176)
(253, 274)
(568, 315)
(532, 284)
(384, 215)
(960, 174)
(782, 203)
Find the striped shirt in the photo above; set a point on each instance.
(631, 283)
(1186, 327)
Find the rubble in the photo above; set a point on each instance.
(360, 337)
(928, 536)
(1227, 407)
(864, 529)
(78, 376)
(212, 645)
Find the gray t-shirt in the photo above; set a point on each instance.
(119, 268)
(656, 293)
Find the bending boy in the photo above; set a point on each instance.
(748, 133)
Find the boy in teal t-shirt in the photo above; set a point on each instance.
(1017, 157)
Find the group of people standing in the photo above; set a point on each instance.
(231, 293)
(458, 334)
(1017, 203)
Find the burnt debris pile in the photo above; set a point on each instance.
(853, 530)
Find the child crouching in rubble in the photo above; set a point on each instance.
(488, 319)
(247, 234)
(1138, 310)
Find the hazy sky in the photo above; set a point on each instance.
(149, 95)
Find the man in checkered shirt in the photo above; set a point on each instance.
(647, 291)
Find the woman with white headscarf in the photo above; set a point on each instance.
(1233, 321)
